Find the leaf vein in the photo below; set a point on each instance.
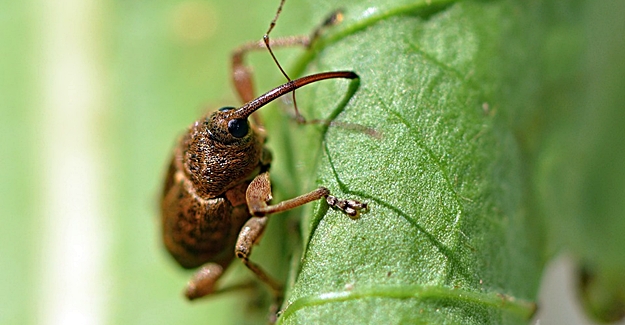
(519, 307)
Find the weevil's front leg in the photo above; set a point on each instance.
(258, 196)
(250, 234)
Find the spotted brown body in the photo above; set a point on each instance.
(204, 206)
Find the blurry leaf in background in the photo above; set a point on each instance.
(18, 170)
(580, 180)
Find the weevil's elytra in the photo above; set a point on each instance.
(217, 190)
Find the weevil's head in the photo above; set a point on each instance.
(220, 151)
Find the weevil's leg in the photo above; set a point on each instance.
(204, 280)
(250, 234)
(259, 194)
(334, 18)
(242, 74)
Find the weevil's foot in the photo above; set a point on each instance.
(274, 309)
(273, 313)
(350, 207)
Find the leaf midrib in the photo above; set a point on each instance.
(522, 308)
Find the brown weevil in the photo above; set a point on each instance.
(217, 191)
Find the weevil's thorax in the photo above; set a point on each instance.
(215, 160)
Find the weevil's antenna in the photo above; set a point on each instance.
(298, 117)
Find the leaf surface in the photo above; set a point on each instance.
(446, 238)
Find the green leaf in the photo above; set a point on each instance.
(447, 238)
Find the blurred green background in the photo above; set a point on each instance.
(92, 97)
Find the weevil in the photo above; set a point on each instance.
(216, 199)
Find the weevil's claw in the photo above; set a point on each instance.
(350, 207)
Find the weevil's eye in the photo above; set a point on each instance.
(226, 108)
(238, 127)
